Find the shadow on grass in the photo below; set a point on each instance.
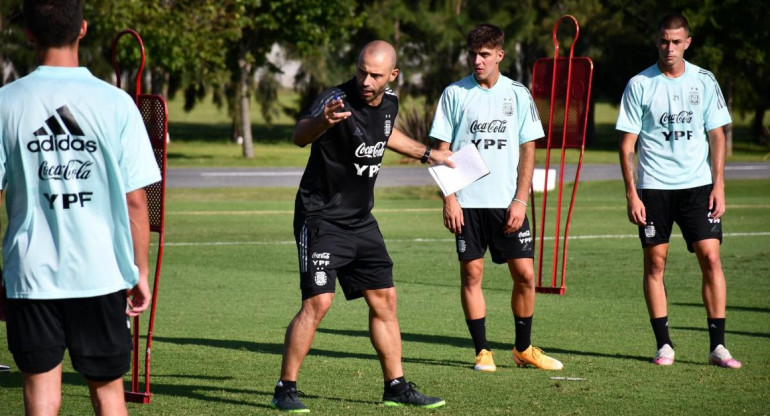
(744, 333)
(729, 308)
(222, 133)
(466, 343)
(277, 349)
(203, 392)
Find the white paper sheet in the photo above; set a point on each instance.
(469, 167)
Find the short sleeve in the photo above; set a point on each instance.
(630, 112)
(715, 113)
(443, 126)
(531, 128)
(137, 160)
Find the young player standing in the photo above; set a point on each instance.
(74, 161)
(673, 112)
(498, 116)
(337, 237)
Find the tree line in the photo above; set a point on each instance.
(218, 48)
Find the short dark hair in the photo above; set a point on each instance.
(673, 21)
(485, 35)
(54, 23)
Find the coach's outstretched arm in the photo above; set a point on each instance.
(309, 129)
(407, 146)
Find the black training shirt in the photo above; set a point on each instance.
(337, 188)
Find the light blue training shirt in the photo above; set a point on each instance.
(672, 116)
(71, 147)
(497, 121)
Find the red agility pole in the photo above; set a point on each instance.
(560, 86)
(155, 115)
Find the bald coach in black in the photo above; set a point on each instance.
(337, 188)
(349, 127)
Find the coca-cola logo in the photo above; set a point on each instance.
(375, 150)
(494, 126)
(681, 117)
(51, 144)
(74, 169)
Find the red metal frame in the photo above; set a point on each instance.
(155, 115)
(580, 91)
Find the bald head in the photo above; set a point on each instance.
(375, 69)
(379, 51)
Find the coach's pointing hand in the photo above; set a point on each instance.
(333, 114)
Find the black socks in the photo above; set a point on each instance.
(660, 328)
(523, 329)
(478, 330)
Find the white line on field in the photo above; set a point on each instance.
(619, 208)
(755, 167)
(229, 174)
(437, 240)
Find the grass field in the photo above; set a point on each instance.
(229, 288)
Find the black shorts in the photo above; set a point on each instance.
(95, 330)
(484, 228)
(688, 208)
(358, 259)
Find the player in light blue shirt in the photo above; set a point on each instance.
(499, 117)
(74, 161)
(673, 112)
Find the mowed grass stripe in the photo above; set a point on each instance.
(440, 240)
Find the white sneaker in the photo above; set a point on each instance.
(665, 356)
(721, 357)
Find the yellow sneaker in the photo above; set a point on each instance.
(484, 362)
(535, 357)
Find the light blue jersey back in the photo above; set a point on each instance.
(672, 117)
(71, 147)
(497, 121)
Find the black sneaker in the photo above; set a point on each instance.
(412, 397)
(287, 400)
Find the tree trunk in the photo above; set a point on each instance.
(245, 107)
(517, 63)
(758, 125)
(729, 128)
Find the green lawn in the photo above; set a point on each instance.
(201, 138)
(229, 288)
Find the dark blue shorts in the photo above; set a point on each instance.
(94, 330)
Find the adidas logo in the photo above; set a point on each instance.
(60, 132)
(357, 132)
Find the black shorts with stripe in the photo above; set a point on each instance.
(358, 259)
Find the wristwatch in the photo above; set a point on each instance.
(426, 156)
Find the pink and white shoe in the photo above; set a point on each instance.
(665, 356)
(721, 357)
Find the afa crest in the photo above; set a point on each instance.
(508, 106)
(694, 96)
(388, 127)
